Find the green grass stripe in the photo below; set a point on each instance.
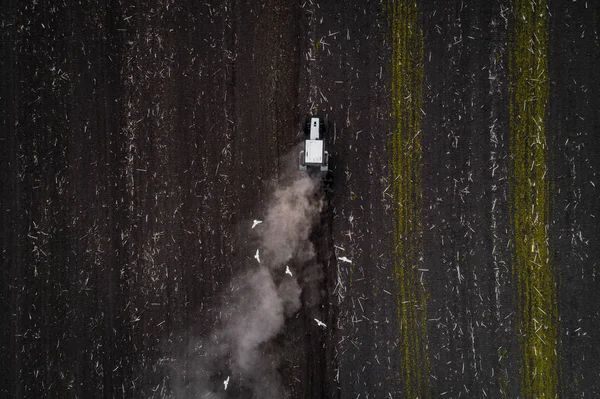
(406, 165)
(533, 272)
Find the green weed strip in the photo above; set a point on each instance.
(406, 165)
(534, 275)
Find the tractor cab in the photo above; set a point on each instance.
(313, 155)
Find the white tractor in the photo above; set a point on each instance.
(314, 156)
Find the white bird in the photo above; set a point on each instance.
(256, 223)
(226, 382)
(320, 323)
(257, 256)
(344, 259)
(288, 271)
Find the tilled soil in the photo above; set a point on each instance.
(140, 140)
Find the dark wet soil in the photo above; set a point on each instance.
(139, 140)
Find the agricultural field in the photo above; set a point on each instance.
(158, 240)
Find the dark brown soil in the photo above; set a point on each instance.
(138, 141)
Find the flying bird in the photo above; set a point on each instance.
(226, 382)
(288, 271)
(256, 223)
(344, 259)
(257, 256)
(320, 323)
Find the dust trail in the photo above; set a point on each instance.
(258, 301)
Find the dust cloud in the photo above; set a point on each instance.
(240, 358)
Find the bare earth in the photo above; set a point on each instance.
(138, 142)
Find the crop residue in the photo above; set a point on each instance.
(534, 274)
(406, 165)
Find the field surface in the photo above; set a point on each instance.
(454, 254)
